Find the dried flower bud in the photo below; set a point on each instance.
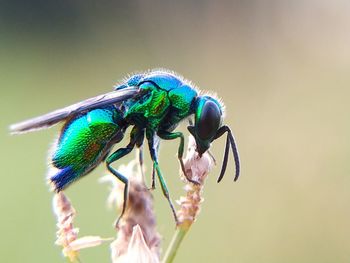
(197, 168)
(137, 236)
(67, 235)
(138, 251)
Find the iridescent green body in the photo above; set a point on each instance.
(153, 104)
(168, 101)
(84, 142)
(86, 139)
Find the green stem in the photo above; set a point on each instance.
(175, 243)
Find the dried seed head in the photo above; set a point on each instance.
(197, 168)
(137, 228)
(67, 235)
(137, 251)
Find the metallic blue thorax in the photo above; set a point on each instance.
(180, 94)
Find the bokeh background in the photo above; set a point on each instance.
(282, 68)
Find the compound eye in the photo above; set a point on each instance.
(209, 120)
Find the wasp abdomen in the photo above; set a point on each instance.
(83, 144)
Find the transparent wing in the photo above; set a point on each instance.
(56, 116)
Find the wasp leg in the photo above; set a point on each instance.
(153, 151)
(153, 187)
(171, 136)
(165, 190)
(212, 156)
(140, 155)
(141, 162)
(139, 144)
(114, 157)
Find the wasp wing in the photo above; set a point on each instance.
(56, 116)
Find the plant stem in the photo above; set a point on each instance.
(175, 243)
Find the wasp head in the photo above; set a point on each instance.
(208, 127)
(208, 119)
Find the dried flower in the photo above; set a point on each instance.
(197, 168)
(137, 251)
(137, 239)
(67, 235)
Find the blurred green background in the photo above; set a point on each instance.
(281, 67)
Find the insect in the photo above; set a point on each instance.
(153, 104)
